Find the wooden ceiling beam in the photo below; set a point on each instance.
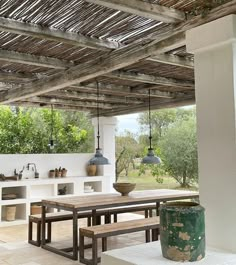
(10, 77)
(83, 72)
(36, 31)
(41, 61)
(143, 9)
(68, 102)
(68, 94)
(174, 60)
(124, 91)
(151, 79)
(171, 103)
(48, 62)
(48, 105)
(114, 60)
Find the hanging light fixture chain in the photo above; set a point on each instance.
(150, 158)
(98, 133)
(149, 114)
(52, 121)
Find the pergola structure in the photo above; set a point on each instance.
(61, 49)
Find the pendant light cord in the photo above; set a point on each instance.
(52, 121)
(98, 132)
(149, 116)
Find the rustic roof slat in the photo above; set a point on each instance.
(128, 54)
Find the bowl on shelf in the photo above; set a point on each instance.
(9, 196)
(124, 187)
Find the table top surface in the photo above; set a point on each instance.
(115, 199)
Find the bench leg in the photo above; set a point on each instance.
(81, 247)
(147, 235)
(107, 218)
(39, 233)
(30, 230)
(150, 212)
(95, 251)
(157, 208)
(96, 219)
(146, 213)
(115, 217)
(89, 223)
(155, 233)
(49, 232)
(104, 244)
(36, 242)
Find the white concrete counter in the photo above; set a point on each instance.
(150, 253)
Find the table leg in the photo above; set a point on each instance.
(43, 242)
(94, 217)
(157, 208)
(75, 235)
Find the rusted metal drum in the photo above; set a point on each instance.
(182, 231)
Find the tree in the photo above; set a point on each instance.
(27, 130)
(163, 119)
(160, 121)
(179, 152)
(127, 150)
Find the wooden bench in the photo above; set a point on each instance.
(64, 216)
(50, 218)
(107, 230)
(146, 208)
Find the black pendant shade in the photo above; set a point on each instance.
(150, 158)
(98, 158)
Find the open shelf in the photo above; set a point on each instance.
(68, 188)
(42, 191)
(96, 186)
(15, 212)
(31, 192)
(19, 191)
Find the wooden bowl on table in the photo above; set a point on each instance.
(124, 187)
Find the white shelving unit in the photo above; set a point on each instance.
(34, 190)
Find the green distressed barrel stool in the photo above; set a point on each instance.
(182, 231)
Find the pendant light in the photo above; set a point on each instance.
(98, 158)
(150, 158)
(52, 141)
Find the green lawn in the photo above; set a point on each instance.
(147, 181)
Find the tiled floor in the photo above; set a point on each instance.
(14, 249)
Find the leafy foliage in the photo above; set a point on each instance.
(160, 121)
(174, 141)
(27, 130)
(127, 149)
(179, 150)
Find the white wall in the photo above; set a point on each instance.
(74, 163)
(107, 144)
(214, 50)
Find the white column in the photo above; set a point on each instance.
(107, 126)
(214, 48)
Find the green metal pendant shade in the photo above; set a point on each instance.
(98, 158)
(150, 158)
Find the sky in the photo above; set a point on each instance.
(127, 122)
(130, 122)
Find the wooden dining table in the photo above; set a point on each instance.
(102, 201)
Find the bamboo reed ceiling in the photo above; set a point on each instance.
(59, 50)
